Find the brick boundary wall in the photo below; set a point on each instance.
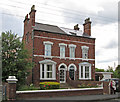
(75, 83)
(12, 94)
(106, 88)
(55, 93)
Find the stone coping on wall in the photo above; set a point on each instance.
(57, 90)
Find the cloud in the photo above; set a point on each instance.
(99, 12)
(13, 23)
(108, 60)
(111, 45)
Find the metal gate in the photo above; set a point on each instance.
(3, 91)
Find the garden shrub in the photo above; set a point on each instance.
(49, 85)
(28, 87)
(87, 86)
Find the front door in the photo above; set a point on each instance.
(71, 74)
(62, 75)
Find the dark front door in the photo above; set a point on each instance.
(71, 74)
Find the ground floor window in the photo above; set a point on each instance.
(85, 70)
(47, 70)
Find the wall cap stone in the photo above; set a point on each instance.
(11, 79)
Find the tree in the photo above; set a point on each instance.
(110, 69)
(15, 58)
(99, 70)
(117, 72)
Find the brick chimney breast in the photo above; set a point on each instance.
(87, 27)
(32, 15)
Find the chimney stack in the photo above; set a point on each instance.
(87, 27)
(32, 15)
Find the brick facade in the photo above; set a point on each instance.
(35, 45)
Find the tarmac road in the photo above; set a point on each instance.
(94, 98)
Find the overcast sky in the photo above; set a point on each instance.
(67, 13)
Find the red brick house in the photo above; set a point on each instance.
(60, 54)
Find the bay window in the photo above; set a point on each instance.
(47, 70)
(84, 70)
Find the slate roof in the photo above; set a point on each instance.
(59, 30)
(72, 31)
(49, 28)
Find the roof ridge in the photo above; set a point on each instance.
(46, 24)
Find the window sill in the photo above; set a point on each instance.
(48, 57)
(62, 58)
(85, 59)
(84, 78)
(72, 58)
(48, 79)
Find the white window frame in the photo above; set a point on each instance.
(47, 62)
(84, 64)
(70, 53)
(62, 53)
(85, 52)
(48, 43)
(65, 69)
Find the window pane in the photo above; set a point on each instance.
(49, 74)
(85, 53)
(42, 74)
(48, 50)
(86, 71)
(62, 51)
(49, 67)
(42, 67)
(42, 70)
(81, 71)
(49, 71)
(72, 52)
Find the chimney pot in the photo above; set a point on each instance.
(26, 16)
(33, 7)
(76, 27)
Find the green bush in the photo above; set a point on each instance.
(26, 87)
(87, 86)
(49, 85)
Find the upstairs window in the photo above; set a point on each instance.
(85, 52)
(72, 50)
(48, 45)
(62, 49)
(47, 50)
